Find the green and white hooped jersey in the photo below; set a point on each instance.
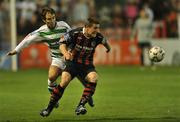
(48, 36)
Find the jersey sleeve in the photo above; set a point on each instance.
(66, 25)
(104, 40)
(66, 38)
(29, 39)
(101, 38)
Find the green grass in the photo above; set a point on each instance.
(123, 93)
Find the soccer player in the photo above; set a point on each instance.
(50, 34)
(143, 28)
(83, 42)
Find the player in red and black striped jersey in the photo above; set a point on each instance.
(82, 47)
(82, 43)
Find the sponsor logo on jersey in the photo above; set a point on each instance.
(93, 43)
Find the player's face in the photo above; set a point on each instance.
(93, 30)
(50, 20)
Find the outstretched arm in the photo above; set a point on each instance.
(105, 43)
(30, 38)
(107, 46)
(13, 52)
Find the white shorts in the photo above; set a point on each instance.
(59, 62)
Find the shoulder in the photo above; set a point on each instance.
(63, 24)
(76, 31)
(43, 28)
(99, 36)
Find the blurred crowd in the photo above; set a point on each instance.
(118, 17)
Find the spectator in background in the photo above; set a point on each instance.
(28, 8)
(3, 23)
(92, 8)
(29, 15)
(80, 11)
(63, 10)
(143, 30)
(171, 24)
(118, 17)
(53, 4)
(104, 15)
(160, 8)
(131, 11)
(178, 7)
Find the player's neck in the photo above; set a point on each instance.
(87, 35)
(53, 27)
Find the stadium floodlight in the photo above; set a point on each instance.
(13, 32)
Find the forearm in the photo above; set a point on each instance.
(18, 48)
(21, 45)
(67, 55)
(63, 49)
(107, 46)
(29, 39)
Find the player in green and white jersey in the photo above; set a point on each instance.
(50, 33)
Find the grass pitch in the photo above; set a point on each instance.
(123, 94)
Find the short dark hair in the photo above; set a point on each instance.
(46, 10)
(91, 21)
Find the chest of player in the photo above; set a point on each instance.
(84, 44)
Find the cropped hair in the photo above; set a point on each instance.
(91, 21)
(45, 10)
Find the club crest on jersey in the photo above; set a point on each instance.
(93, 43)
(79, 38)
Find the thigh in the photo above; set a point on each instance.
(71, 68)
(144, 44)
(85, 70)
(65, 79)
(54, 72)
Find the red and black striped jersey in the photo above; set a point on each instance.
(82, 48)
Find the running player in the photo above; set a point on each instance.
(83, 42)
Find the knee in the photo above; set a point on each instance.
(66, 76)
(52, 78)
(65, 79)
(92, 77)
(53, 75)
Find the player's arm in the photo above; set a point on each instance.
(64, 51)
(63, 47)
(134, 32)
(106, 45)
(12, 52)
(29, 39)
(67, 26)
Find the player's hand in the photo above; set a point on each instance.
(13, 52)
(68, 56)
(108, 50)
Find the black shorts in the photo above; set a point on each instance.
(144, 45)
(77, 69)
